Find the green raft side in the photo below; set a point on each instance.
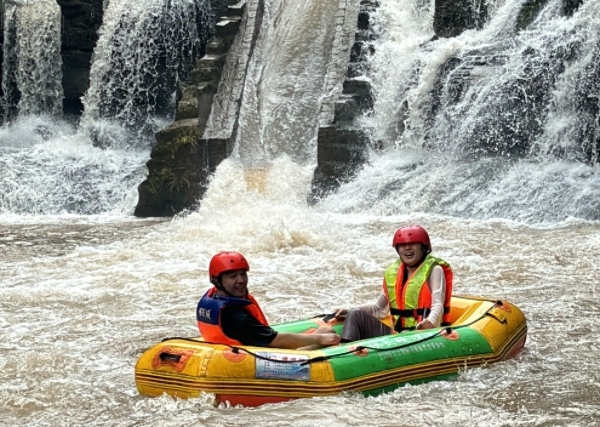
(301, 326)
(391, 361)
(395, 352)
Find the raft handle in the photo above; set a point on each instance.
(169, 357)
(500, 318)
(174, 358)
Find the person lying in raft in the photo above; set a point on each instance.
(416, 292)
(229, 314)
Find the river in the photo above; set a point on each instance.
(83, 297)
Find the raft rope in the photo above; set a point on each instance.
(448, 330)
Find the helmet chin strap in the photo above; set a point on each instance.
(215, 281)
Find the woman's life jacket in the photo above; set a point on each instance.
(208, 315)
(411, 301)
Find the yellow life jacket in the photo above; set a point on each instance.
(411, 300)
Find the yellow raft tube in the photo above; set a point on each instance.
(483, 331)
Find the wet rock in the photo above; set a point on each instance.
(452, 17)
(81, 21)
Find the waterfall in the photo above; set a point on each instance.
(492, 91)
(294, 66)
(572, 129)
(497, 122)
(50, 167)
(493, 123)
(144, 48)
(32, 65)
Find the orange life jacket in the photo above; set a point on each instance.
(208, 315)
(411, 300)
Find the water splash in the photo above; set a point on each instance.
(416, 181)
(48, 168)
(494, 123)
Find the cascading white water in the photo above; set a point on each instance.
(470, 111)
(572, 130)
(142, 50)
(294, 66)
(49, 167)
(45, 166)
(469, 120)
(34, 62)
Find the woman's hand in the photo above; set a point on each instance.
(425, 324)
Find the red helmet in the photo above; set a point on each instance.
(411, 234)
(226, 261)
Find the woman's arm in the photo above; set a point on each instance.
(378, 309)
(437, 286)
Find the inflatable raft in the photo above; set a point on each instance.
(483, 331)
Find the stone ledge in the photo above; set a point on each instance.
(341, 148)
(228, 27)
(182, 161)
(237, 9)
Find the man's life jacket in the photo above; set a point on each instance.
(411, 301)
(208, 315)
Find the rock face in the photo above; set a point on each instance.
(10, 92)
(183, 159)
(81, 21)
(529, 11)
(570, 6)
(179, 167)
(342, 146)
(452, 17)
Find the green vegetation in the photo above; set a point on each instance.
(167, 179)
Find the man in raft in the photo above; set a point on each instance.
(416, 292)
(229, 314)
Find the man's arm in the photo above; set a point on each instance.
(311, 341)
(240, 325)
